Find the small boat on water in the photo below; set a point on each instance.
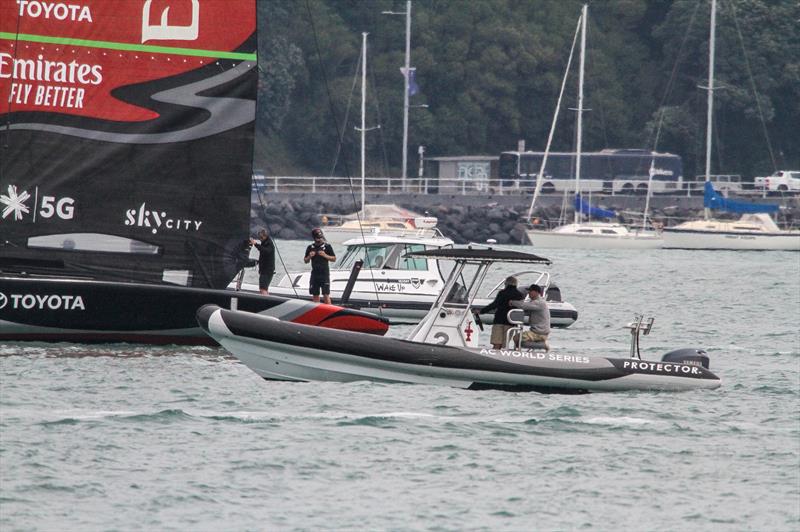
(403, 288)
(386, 220)
(444, 348)
(589, 234)
(755, 230)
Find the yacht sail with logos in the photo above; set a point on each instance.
(592, 234)
(755, 230)
(127, 139)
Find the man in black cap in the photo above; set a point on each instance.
(538, 317)
(320, 254)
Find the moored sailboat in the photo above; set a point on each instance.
(755, 230)
(592, 234)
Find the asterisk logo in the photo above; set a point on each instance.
(15, 203)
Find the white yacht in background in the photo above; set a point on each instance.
(755, 230)
(595, 235)
(375, 219)
(387, 220)
(592, 234)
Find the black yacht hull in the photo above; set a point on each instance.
(69, 310)
(287, 351)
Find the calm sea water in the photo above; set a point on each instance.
(173, 438)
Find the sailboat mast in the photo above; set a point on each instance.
(580, 110)
(710, 88)
(363, 122)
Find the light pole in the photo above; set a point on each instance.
(406, 75)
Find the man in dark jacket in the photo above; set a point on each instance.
(266, 260)
(501, 305)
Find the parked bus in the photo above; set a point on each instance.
(607, 171)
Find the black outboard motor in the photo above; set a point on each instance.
(687, 355)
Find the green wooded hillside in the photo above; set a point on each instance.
(490, 71)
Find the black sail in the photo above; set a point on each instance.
(126, 139)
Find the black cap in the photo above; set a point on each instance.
(316, 232)
(535, 287)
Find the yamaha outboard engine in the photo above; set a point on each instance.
(687, 355)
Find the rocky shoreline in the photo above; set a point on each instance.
(293, 218)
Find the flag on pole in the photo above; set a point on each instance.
(413, 88)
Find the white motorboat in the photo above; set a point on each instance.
(387, 220)
(403, 288)
(445, 347)
(588, 234)
(755, 230)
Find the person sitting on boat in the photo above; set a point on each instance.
(320, 254)
(501, 305)
(537, 316)
(266, 260)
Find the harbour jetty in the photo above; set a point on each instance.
(471, 218)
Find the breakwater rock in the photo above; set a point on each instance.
(293, 218)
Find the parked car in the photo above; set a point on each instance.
(780, 181)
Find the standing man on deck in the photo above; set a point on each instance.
(319, 254)
(501, 305)
(266, 260)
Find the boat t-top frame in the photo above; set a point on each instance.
(450, 319)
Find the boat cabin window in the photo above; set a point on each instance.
(585, 231)
(412, 263)
(608, 232)
(396, 225)
(370, 254)
(388, 256)
(94, 242)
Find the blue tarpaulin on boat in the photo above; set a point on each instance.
(714, 200)
(596, 212)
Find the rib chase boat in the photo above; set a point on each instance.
(126, 145)
(444, 347)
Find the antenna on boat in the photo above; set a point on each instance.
(639, 325)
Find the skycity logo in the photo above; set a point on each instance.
(155, 220)
(42, 302)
